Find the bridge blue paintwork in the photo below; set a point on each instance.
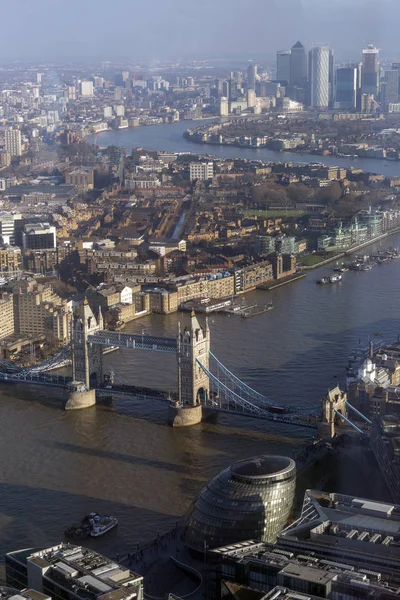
(229, 394)
(129, 340)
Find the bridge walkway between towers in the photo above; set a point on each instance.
(134, 341)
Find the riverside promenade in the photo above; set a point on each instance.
(167, 566)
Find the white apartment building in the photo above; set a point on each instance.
(7, 226)
(13, 142)
(201, 170)
(86, 89)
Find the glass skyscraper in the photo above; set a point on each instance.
(298, 65)
(283, 65)
(370, 71)
(250, 500)
(251, 76)
(320, 65)
(390, 89)
(346, 88)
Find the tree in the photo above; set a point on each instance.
(329, 194)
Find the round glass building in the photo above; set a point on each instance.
(250, 500)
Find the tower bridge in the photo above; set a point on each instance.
(204, 384)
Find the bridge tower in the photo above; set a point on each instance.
(193, 383)
(86, 359)
(334, 401)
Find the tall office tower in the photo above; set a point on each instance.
(319, 61)
(224, 106)
(396, 67)
(219, 87)
(390, 88)
(332, 78)
(13, 142)
(283, 65)
(229, 89)
(346, 88)
(39, 77)
(370, 71)
(251, 98)
(237, 77)
(251, 76)
(298, 65)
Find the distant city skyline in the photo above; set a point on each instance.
(95, 29)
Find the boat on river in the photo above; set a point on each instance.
(335, 278)
(101, 525)
(93, 525)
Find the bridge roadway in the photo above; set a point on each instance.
(59, 381)
(129, 340)
(214, 406)
(135, 391)
(35, 378)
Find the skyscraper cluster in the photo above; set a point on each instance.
(315, 81)
(310, 78)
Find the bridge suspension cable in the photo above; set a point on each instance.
(244, 390)
(240, 384)
(52, 362)
(227, 400)
(339, 414)
(230, 395)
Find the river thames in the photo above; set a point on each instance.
(121, 458)
(169, 137)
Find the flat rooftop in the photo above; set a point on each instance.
(269, 559)
(56, 190)
(81, 570)
(9, 593)
(359, 524)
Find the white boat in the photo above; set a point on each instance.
(101, 525)
(335, 278)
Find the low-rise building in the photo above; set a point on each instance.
(258, 567)
(66, 572)
(250, 277)
(10, 260)
(39, 236)
(80, 178)
(358, 532)
(385, 443)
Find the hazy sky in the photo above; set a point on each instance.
(165, 29)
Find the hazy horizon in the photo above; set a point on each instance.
(184, 29)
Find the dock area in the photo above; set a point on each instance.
(256, 310)
(278, 283)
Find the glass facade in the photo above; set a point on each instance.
(250, 500)
(319, 73)
(346, 88)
